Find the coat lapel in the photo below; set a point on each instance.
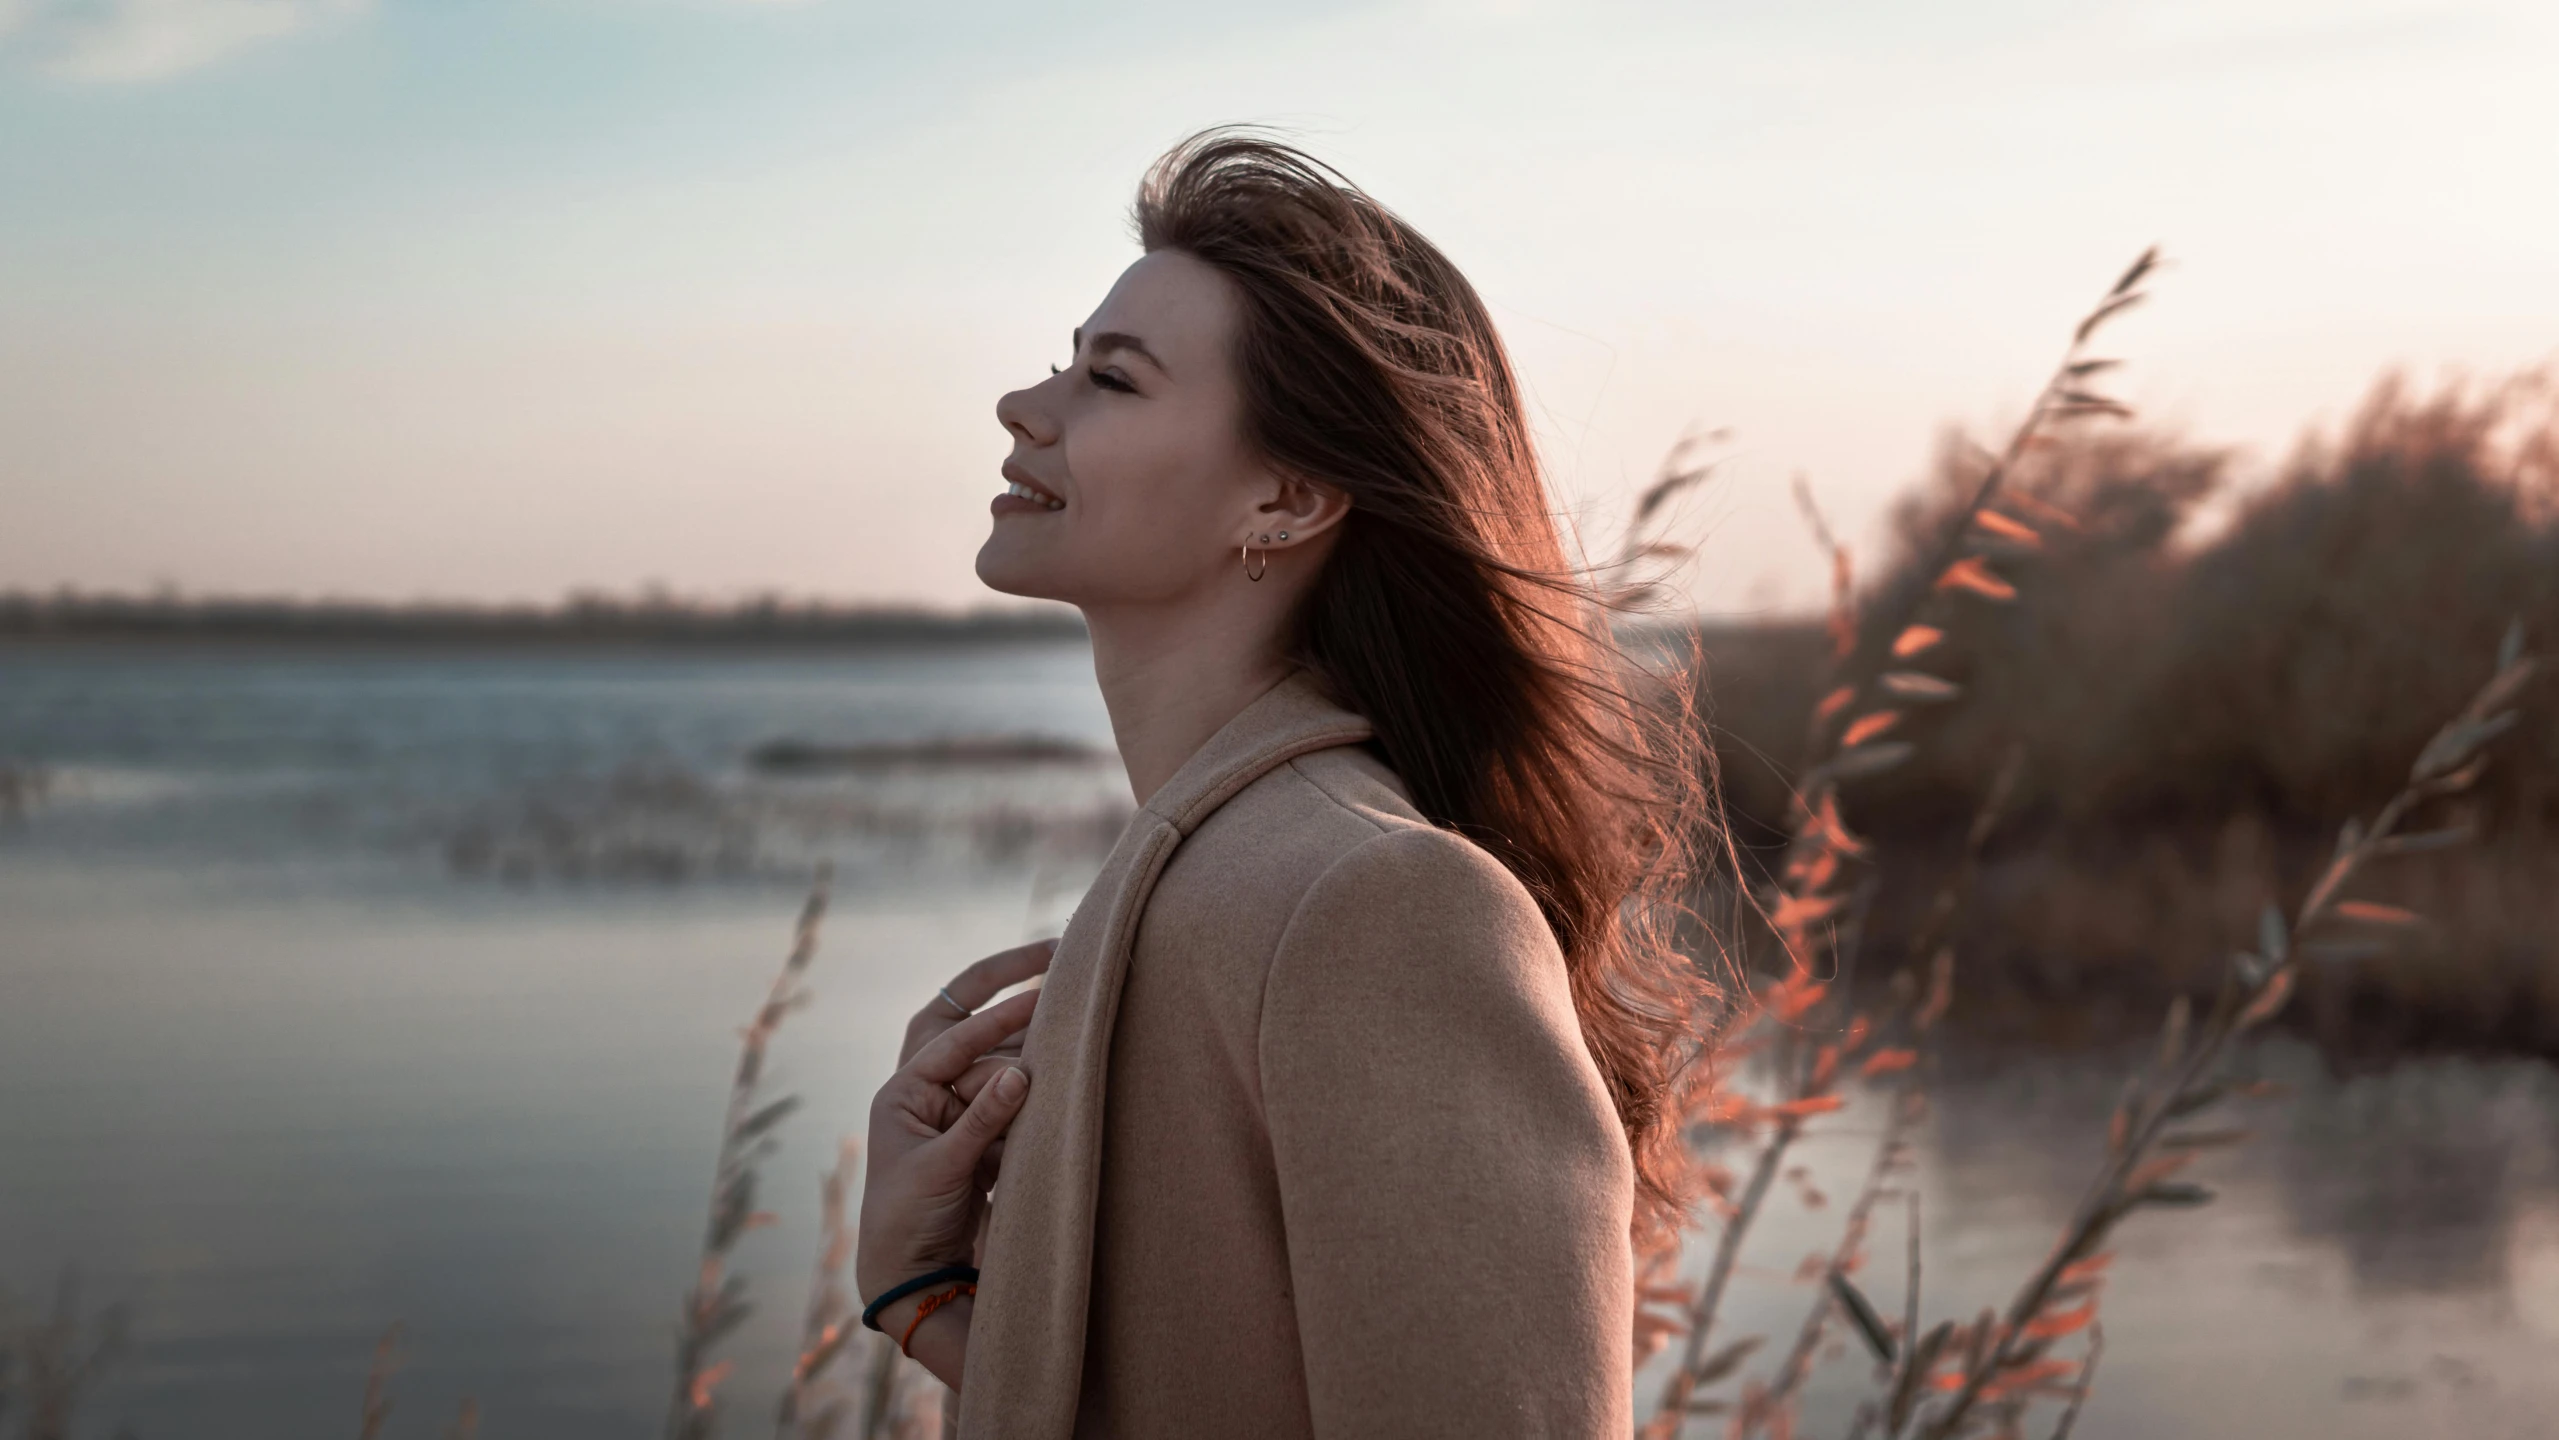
(1026, 1336)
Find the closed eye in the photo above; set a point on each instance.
(1102, 379)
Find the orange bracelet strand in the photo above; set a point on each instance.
(932, 1302)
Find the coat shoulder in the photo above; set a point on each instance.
(1262, 849)
(1409, 872)
(1355, 781)
(1325, 839)
(1329, 819)
(1316, 826)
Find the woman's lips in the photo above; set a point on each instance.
(1022, 497)
(1011, 503)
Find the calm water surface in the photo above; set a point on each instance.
(344, 989)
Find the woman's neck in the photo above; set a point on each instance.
(1172, 680)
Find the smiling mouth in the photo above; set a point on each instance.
(1020, 491)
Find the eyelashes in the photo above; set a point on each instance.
(1102, 380)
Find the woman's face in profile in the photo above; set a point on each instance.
(1130, 481)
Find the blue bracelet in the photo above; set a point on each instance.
(965, 1274)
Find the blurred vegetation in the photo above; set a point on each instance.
(652, 617)
(2202, 679)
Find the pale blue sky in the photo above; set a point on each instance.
(499, 297)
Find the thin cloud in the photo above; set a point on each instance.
(133, 41)
(136, 41)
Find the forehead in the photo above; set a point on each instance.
(1178, 305)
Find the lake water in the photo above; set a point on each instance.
(344, 989)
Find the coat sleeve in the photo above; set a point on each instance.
(1454, 1183)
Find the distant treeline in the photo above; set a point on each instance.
(582, 619)
(2198, 712)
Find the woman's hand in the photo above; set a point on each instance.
(973, 987)
(934, 1131)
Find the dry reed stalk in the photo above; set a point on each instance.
(51, 1363)
(377, 1394)
(1918, 1013)
(1697, 1370)
(1618, 582)
(882, 1417)
(1859, 1052)
(2005, 1358)
(2086, 1382)
(808, 1410)
(718, 1304)
(377, 1383)
(1892, 1155)
(1871, 692)
(1874, 687)
(1811, 1094)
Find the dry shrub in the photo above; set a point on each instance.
(2320, 637)
(2196, 707)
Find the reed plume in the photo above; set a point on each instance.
(1850, 736)
(718, 1302)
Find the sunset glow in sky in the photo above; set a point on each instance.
(497, 298)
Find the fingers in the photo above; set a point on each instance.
(973, 987)
(965, 1144)
(949, 1055)
(983, 1068)
(1000, 972)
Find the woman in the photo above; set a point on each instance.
(1348, 1085)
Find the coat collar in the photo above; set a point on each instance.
(1290, 719)
(1026, 1333)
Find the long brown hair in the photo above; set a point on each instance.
(1448, 614)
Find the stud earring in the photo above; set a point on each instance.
(1283, 534)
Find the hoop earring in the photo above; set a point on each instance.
(1252, 571)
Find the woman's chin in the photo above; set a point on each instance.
(1001, 569)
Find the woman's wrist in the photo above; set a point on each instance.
(925, 1312)
(939, 1342)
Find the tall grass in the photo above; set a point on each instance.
(1871, 722)
(718, 1302)
(1855, 733)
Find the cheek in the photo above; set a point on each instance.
(1150, 506)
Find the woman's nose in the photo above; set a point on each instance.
(1022, 413)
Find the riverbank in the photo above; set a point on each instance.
(581, 620)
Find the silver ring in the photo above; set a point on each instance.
(945, 993)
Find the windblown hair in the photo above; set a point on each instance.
(1448, 614)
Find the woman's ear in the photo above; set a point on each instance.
(1298, 511)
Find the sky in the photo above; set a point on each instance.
(498, 299)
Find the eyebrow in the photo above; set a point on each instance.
(1109, 340)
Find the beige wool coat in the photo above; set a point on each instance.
(1313, 1145)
